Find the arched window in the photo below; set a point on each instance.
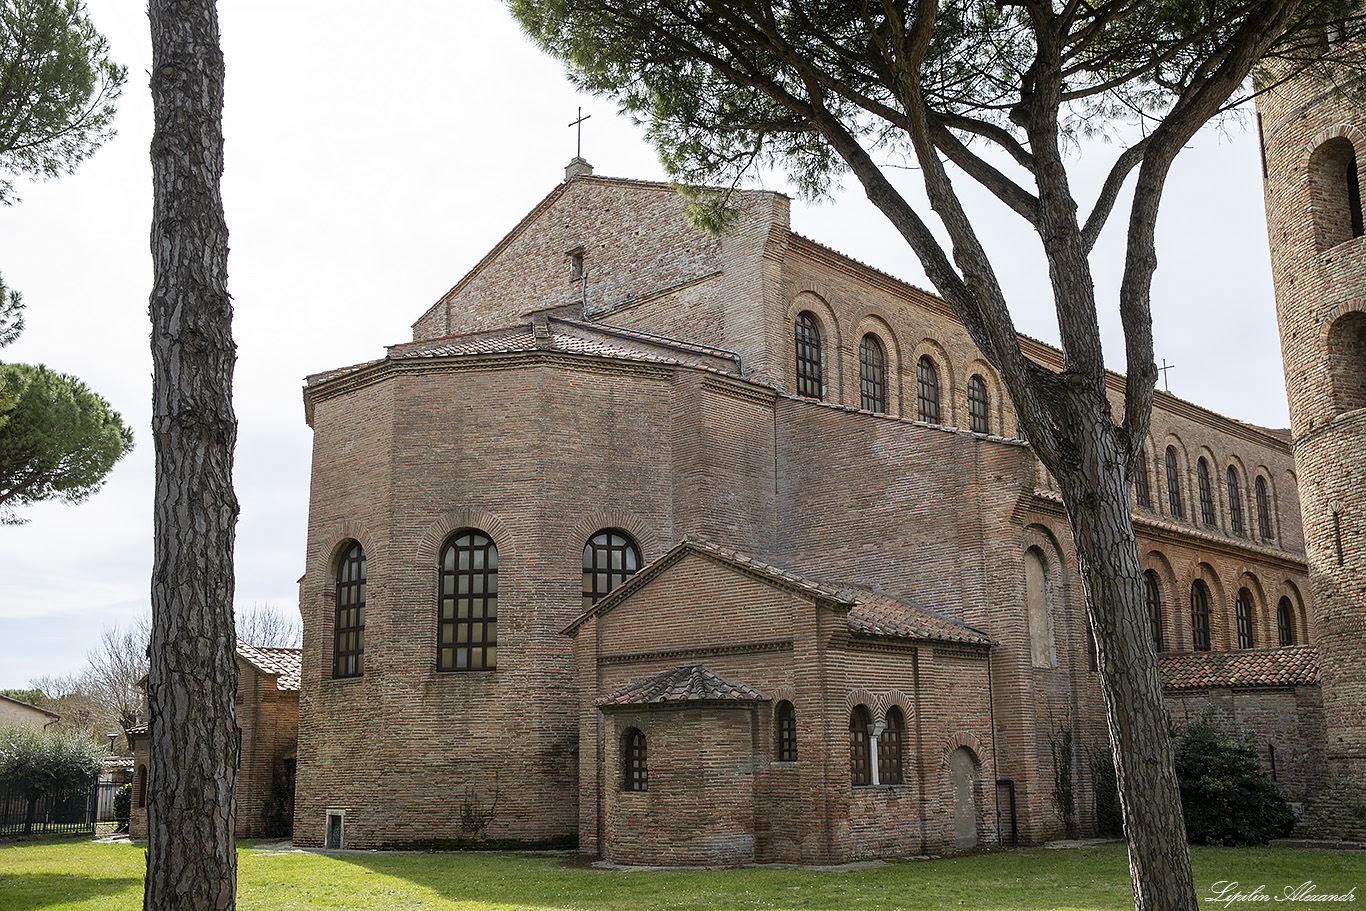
(1285, 622)
(1206, 494)
(1242, 609)
(927, 389)
(786, 723)
(1235, 502)
(467, 633)
(348, 641)
(1263, 507)
(609, 558)
(1152, 593)
(142, 786)
(1173, 484)
(1200, 616)
(1040, 609)
(808, 333)
(636, 775)
(978, 405)
(1336, 189)
(1141, 495)
(860, 754)
(889, 748)
(872, 375)
(1347, 361)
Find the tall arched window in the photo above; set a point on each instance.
(1336, 193)
(636, 775)
(1141, 494)
(1242, 610)
(979, 404)
(808, 334)
(1235, 502)
(1040, 609)
(927, 389)
(860, 754)
(467, 631)
(1206, 494)
(1285, 622)
(1263, 507)
(872, 374)
(1200, 616)
(889, 748)
(785, 720)
(1152, 592)
(348, 640)
(1173, 484)
(609, 558)
(142, 786)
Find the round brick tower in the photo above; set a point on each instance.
(1313, 148)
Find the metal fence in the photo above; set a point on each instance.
(25, 812)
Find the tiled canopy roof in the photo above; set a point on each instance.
(878, 614)
(1294, 666)
(284, 662)
(691, 683)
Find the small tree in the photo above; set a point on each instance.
(58, 442)
(48, 762)
(1227, 798)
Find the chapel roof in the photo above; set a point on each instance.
(53, 715)
(691, 683)
(1293, 666)
(284, 663)
(870, 613)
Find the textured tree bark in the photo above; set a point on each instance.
(1095, 491)
(194, 739)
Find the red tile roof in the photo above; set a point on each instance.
(879, 614)
(286, 663)
(1294, 666)
(690, 683)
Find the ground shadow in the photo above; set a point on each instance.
(31, 891)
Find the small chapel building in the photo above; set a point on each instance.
(694, 549)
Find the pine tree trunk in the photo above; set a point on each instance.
(194, 740)
(1096, 494)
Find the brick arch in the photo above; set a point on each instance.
(832, 344)
(962, 739)
(1263, 632)
(1344, 352)
(1288, 589)
(784, 692)
(429, 545)
(948, 380)
(859, 697)
(996, 404)
(873, 320)
(894, 698)
(1328, 158)
(1185, 469)
(338, 534)
(598, 520)
(1345, 131)
(1174, 632)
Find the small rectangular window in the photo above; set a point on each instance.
(335, 836)
(575, 264)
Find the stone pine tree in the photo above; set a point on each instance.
(194, 739)
(994, 93)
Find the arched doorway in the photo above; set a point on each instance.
(963, 774)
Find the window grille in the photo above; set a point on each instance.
(1235, 502)
(1263, 508)
(1173, 484)
(1242, 608)
(348, 645)
(872, 375)
(808, 335)
(1141, 494)
(787, 732)
(1153, 595)
(467, 634)
(1285, 622)
(889, 748)
(609, 558)
(1200, 617)
(860, 755)
(1206, 495)
(637, 773)
(978, 404)
(927, 390)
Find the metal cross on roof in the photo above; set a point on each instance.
(578, 149)
(1164, 368)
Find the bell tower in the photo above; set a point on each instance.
(1313, 142)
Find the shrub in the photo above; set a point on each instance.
(123, 805)
(1227, 798)
(1109, 820)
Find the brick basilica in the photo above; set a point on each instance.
(695, 549)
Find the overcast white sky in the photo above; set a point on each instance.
(374, 154)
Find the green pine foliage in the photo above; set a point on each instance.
(59, 440)
(1227, 798)
(57, 89)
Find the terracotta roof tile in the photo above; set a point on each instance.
(1293, 666)
(286, 663)
(878, 614)
(690, 683)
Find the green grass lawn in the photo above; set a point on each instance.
(75, 874)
